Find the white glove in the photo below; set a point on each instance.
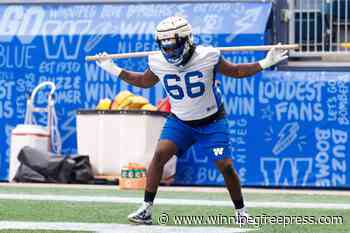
(107, 64)
(274, 56)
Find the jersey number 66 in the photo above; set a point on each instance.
(193, 89)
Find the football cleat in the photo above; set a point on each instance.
(143, 215)
(242, 216)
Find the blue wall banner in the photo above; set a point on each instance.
(288, 128)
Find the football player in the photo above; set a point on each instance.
(187, 73)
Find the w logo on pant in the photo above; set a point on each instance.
(218, 151)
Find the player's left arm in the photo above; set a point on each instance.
(273, 57)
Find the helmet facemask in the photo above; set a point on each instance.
(175, 50)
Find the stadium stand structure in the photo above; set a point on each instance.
(319, 27)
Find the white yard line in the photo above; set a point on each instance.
(297, 191)
(183, 189)
(112, 228)
(167, 201)
(62, 186)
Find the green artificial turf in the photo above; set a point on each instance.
(88, 212)
(280, 197)
(116, 213)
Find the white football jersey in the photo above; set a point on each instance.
(191, 88)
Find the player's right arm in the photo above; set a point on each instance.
(144, 79)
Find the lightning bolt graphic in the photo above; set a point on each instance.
(286, 137)
(67, 126)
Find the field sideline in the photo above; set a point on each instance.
(89, 208)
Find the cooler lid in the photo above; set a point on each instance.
(28, 129)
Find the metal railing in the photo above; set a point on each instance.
(319, 26)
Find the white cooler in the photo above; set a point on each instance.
(26, 135)
(112, 139)
(42, 138)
